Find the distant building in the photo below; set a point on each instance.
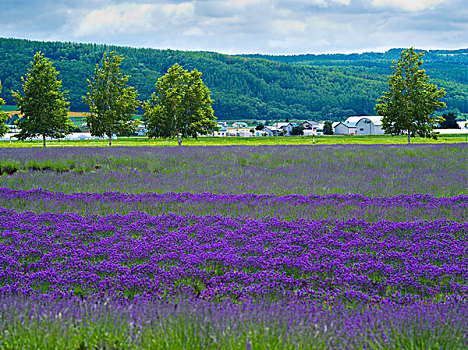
(283, 128)
(311, 128)
(359, 125)
(369, 125)
(239, 125)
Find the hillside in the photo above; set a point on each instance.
(245, 87)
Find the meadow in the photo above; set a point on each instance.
(235, 247)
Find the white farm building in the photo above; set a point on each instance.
(360, 125)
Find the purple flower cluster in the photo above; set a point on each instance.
(334, 207)
(217, 258)
(205, 325)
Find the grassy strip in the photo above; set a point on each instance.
(238, 141)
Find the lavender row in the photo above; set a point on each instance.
(216, 258)
(440, 170)
(38, 323)
(331, 207)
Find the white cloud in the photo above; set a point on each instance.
(130, 18)
(325, 3)
(241, 3)
(116, 18)
(410, 5)
(180, 12)
(193, 31)
(286, 27)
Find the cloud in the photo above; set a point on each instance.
(243, 26)
(409, 5)
(115, 19)
(179, 12)
(286, 27)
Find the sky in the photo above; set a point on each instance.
(243, 26)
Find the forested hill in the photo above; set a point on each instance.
(244, 87)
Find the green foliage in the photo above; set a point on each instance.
(450, 121)
(411, 100)
(111, 101)
(180, 107)
(3, 116)
(328, 128)
(297, 130)
(43, 106)
(302, 87)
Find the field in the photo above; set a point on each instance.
(243, 141)
(235, 247)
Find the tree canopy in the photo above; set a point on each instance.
(43, 106)
(180, 107)
(450, 121)
(328, 128)
(300, 87)
(111, 101)
(408, 105)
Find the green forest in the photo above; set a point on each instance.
(245, 87)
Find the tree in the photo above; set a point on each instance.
(3, 116)
(180, 107)
(411, 100)
(297, 131)
(328, 128)
(111, 101)
(450, 121)
(44, 108)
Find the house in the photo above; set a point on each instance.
(282, 128)
(239, 132)
(239, 125)
(222, 131)
(311, 128)
(270, 131)
(309, 125)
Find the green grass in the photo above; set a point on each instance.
(237, 141)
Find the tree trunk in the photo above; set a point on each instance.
(110, 140)
(179, 139)
(409, 135)
(43, 140)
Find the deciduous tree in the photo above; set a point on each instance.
(112, 103)
(411, 100)
(180, 107)
(43, 106)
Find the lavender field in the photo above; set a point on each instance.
(288, 247)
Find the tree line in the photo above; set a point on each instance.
(308, 87)
(180, 106)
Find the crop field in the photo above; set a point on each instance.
(239, 247)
